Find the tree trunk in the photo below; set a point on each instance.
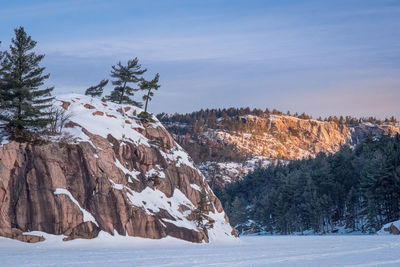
(122, 93)
(19, 108)
(147, 100)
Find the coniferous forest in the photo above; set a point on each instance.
(353, 189)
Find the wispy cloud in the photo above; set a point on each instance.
(314, 56)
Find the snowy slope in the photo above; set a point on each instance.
(118, 173)
(102, 119)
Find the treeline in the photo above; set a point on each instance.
(357, 189)
(215, 117)
(26, 107)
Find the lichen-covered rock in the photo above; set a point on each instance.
(115, 174)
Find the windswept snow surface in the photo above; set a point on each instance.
(92, 113)
(249, 251)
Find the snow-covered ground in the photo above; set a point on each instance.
(372, 250)
(230, 172)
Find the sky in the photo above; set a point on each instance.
(339, 57)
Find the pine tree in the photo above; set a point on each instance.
(124, 76)
(202, 206)
(24, 105)
(1, 53)
(147, 86)
(351, 212)
(97, 90)
(1, 81)
(2, 96)
(238, 211)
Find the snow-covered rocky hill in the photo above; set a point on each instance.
(108, 171)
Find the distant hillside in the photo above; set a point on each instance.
(226, 144)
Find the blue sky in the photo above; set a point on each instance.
(320, 57)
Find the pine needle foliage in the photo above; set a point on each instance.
(24, 105)
(96, 90)
(125, 76)
(149, 86)
(202, 221)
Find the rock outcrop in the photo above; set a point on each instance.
(277, 137)
(288, 138)
(392, 229)
(109, 172)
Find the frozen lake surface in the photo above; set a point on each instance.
(248, 251)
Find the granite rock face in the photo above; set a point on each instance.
(110, 172)
(278, 137)
(289, 138)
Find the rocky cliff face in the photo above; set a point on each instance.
(278, 137)
(289, 138)
(109, 172)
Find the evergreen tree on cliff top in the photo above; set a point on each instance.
(125, 77)
(24, 105)
(148, 86)
(96, 90)
(1, 54)
(2, 97)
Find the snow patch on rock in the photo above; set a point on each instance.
(132, 173)
(195, 187)
(87, 216)
(155, 172)
(115, 120)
